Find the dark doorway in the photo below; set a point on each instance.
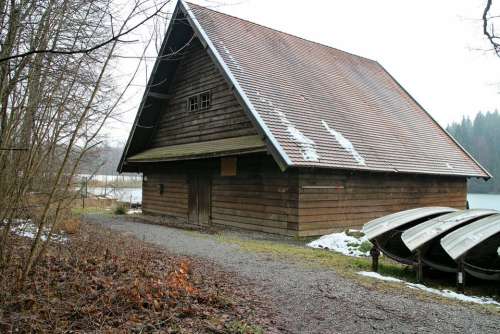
(199, 199)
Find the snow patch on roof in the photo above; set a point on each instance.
(231, 58)
(345, 143)
(307, 145)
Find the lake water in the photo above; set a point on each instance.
(133, 195)
(484, 201)
(112, 178)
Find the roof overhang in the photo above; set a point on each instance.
(200, 150)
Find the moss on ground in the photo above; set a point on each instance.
(342, 264)
(239, 327)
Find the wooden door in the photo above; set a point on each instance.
(199, 199)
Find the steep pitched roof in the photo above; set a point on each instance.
(317, 106)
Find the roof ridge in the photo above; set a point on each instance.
(281, 32)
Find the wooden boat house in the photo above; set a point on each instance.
(246, 126)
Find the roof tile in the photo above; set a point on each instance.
(296, 86)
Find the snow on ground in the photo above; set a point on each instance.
(343, 243)
(25, 228)
(444, 293)
(134, 211)
(373, 274)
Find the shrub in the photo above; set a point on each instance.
(365, 246)
(120, 210)
(354, 233)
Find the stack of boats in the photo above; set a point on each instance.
(442, 238)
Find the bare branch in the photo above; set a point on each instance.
(490, 33)
(114, 38)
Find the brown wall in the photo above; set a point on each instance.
(174, 200)
(225, 118)
(260, 197)
(306, 202)
(336, 200)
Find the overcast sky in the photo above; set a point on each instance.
(435, 49)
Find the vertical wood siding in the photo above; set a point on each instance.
(224, 119)
(331, 201)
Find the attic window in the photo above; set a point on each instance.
(192, 104)
(199, 101)
(204, 101)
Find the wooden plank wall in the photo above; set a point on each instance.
(298, 202)
(260, 197)
(332, 201)
(225, 118)
(173, 203)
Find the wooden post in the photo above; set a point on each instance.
(375, 253)
(84, 195)
(420, 272)
(461, 275)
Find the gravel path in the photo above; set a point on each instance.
(316, 300)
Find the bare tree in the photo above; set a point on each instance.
(489, 27)
(57, 91)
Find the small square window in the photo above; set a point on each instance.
(204, 101)
(193, 103)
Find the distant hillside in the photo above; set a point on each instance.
(481, 137)
(104, 160)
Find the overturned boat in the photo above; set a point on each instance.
(476, 247)
(385, 232)
(424, 238)
(450, 240)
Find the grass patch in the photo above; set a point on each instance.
(239, 327)
(78, 211)
(305, 240)
(346, 265)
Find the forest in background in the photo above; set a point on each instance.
(103, 161)
(481, 137)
